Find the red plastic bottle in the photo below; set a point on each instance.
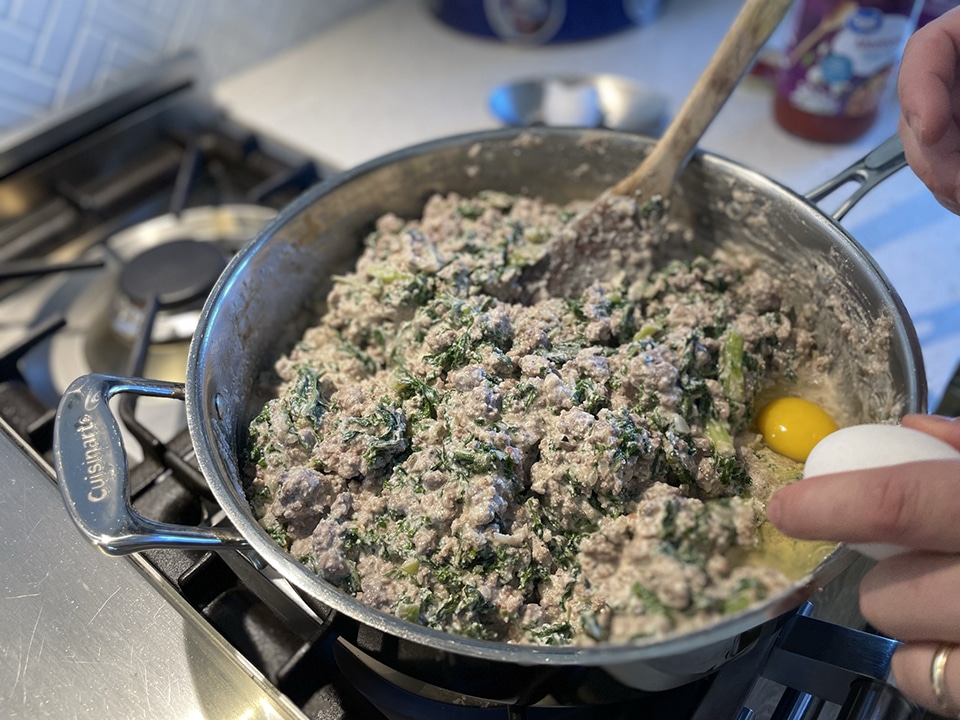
(839, 66)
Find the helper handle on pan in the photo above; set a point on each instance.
(873, 168)
(92, 471)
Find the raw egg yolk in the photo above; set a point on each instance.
(791, 426)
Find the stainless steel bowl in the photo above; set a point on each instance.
(587, 101)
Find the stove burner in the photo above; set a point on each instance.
(173, 274)
(172, 260)
(176, 277)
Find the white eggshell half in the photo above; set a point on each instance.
(860, 447)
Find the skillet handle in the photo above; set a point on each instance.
(870, 170)
(92, 471)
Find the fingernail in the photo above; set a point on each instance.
(934, 417)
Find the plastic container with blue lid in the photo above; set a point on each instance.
(539, 22)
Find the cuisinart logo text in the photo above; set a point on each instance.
(93, 465)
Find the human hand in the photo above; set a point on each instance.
(929, 91)
(914, 597)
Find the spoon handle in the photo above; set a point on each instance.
(755, 22)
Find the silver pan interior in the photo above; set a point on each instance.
(254, 314)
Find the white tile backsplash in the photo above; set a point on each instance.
(52, 51)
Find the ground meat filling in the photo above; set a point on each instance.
(455, 452)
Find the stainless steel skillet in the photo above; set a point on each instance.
(254, 312)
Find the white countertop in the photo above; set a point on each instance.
(393, 76)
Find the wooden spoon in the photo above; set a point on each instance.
(577, 259)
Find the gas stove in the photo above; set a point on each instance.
(115, 222)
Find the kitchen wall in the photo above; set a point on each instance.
(52, 51)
